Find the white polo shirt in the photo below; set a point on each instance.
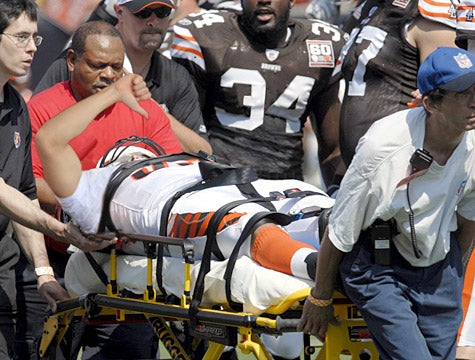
(370, 189)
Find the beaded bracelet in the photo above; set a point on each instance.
(319, 302)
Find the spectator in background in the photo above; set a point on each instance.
(325, 10)
(143, 25)
(104, 11)
(95, 61)
(57, 20)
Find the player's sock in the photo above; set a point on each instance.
(273, 248)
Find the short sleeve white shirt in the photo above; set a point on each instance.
(371, 189)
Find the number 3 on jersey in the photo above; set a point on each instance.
(290, 105)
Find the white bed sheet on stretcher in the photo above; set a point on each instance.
(252, 285)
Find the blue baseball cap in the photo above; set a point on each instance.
(447, 68)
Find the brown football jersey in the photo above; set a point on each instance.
(379, 67)
(255, 100)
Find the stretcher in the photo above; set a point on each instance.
(216, 326)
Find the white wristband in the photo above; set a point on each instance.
(44, 270)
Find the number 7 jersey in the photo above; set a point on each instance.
(379, 66)
(255, 100)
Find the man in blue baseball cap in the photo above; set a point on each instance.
(404, 219)
(447, 68)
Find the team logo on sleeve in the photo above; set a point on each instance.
(16, 139)
(320, 53)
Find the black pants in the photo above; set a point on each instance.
(32, 306)
(128, 341)
(411, 312)
(9, 254)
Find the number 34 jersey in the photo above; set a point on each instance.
(255, 100)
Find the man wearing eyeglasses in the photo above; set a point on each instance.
(18, 201)
(95, 61)
(172, 87)
(22, 40)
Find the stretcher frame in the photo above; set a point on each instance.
(219, 327)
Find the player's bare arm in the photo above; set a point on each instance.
(423, 32)
(53, 138)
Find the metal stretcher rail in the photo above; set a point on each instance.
(218, 327)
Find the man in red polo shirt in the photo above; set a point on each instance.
(95, 62)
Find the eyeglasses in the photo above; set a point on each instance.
(161, 12)
(23, 39)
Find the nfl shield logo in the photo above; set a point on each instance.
(272, 54)
(463, 61)
(17, 139)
